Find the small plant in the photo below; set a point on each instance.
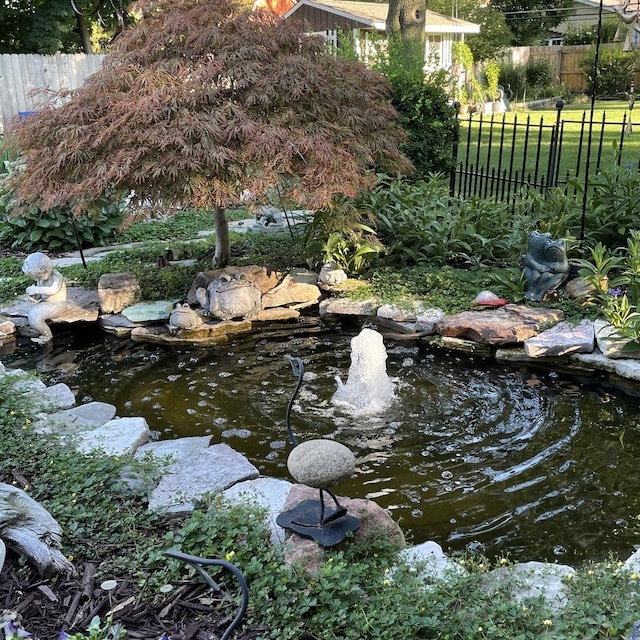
(98, 631)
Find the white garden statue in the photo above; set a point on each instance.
(49, 294)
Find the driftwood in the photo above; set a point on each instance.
(29, 529)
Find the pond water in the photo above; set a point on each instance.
(470, 454)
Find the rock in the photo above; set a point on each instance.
(57, 396)
(578, 288)
(206, 334)
(149, 311)
(269, 493)
(277, 313)
(297, 287)
(431, 561)
(532, 580)
(348, 307)
(635, 632)
(510, 324)
(427, 321)
(117, 325)
(489, 299)
(28, 528)
(562, 339)
(373, 520)
(118, 437)
(466, 346)
(321, 463)
(7, 328)
(624, 368)
(632, 563)
(189, 479)
(83, 418)
(116, 291)
(401, 314)
(3, 554)
(612, 345)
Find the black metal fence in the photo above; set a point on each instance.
(500, 155)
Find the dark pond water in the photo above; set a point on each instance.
(470, 454)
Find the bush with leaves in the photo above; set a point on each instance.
(615, 70)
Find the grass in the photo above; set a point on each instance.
(605, 140)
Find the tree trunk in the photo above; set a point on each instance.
(223, 247)
(84, 34)
(405, 30)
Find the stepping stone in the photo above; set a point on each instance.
(83, 418)
(561, 340)
(116, 438)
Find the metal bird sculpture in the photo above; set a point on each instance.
(319, 463)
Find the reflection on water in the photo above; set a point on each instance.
(470, 453)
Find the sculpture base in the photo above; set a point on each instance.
(305, 521)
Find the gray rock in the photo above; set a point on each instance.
(207, 471)
(532, 580)
(348, 307)
(119, 437)
(57, 396)
(635, 632)
(624, 368)
(82, 418)
(3, 554)
(269, 493)
(116, 291)
(633, 563)
(321, 463)
(427, 321)
(430, 560)
(561, 340)
(402, 314)
(177, 450)
(611, 345)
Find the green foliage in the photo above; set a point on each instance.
(421, 224)
(341, 233)
(430, 122)
(587, 34)
(614, 276)
(98, 631)
(615, 70)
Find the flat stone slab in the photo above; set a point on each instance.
(82, 418)
(629, 369)
(205, 334)
(188, 480)
(348, 307)
(119, 437)
(149, 311)
(298, 286)
(510, 324)
(431, 560)
(561, 340)
(177, 450)
(611, 345)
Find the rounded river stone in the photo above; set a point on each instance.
(321, 463)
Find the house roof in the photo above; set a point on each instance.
(374, 14)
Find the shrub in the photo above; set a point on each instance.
(615, 71)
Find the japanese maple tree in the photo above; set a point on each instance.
(201, 102)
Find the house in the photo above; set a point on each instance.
(332, 17)
(586, 13)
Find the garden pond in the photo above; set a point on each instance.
(472, 454)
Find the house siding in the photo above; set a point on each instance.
(319, 20)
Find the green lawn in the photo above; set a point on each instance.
(533, 128)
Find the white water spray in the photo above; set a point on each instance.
(368, 388)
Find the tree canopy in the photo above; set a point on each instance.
(530, 20)
(200, 103)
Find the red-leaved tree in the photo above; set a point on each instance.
(202, 101)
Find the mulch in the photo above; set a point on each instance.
(45, 606)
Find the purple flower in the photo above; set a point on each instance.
(615, 292)
(12, 631)
(63, 635)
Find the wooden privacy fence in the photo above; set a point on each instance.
(564, 61)
(497, 158)
(21, 74)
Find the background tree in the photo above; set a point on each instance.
(50, 26)
(494, 34)
(200, 102)
(405, 26)
(531, 20)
